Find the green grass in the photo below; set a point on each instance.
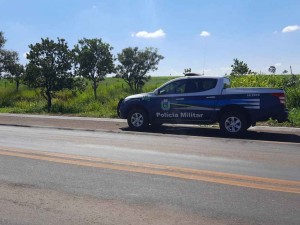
(294, 117)
(109, 93)
(155, 82)
(112, 89)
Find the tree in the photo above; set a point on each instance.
(9, 63)
(7, 58)
(239, 68)
(94, 60)
(2, 40)
(272, 69)
(14, 68)
(135, 64)
(49, 68)
(284, 72)
(3, 53)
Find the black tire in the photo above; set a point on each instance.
(137, 119)
(233, 123)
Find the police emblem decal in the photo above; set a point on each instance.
(165, 104)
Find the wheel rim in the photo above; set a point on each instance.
(233, 124)
(137, 119)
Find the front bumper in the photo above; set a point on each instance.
(119, 107)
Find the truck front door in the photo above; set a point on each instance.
(185, 101)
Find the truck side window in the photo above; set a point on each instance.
(176, 87)
(200, 85)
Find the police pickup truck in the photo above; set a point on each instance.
(196, 99)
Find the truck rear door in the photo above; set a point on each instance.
(199, 100)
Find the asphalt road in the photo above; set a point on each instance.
(58, 170)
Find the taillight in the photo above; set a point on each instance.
(280, 96)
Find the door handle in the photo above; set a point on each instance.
(179, 99)
(211, 97)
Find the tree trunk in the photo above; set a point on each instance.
(95, 89)
(131, 86)
(17, 85)
(49, 101)
(136, 88)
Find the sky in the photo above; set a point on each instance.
(202, 35)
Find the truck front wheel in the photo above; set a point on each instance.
(233, 123)
(137, 119)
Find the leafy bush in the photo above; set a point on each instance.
(293, 98)
(294, 117)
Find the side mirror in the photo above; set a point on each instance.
(161, 92)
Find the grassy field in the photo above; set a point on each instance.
(67, 102)
(112, 89)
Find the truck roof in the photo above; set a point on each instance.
(202, 76)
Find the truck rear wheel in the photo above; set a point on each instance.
(233, 123)
(137, 119)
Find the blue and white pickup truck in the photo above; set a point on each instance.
(195, 99)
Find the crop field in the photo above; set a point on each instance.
(290, 84)
(28, 100)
